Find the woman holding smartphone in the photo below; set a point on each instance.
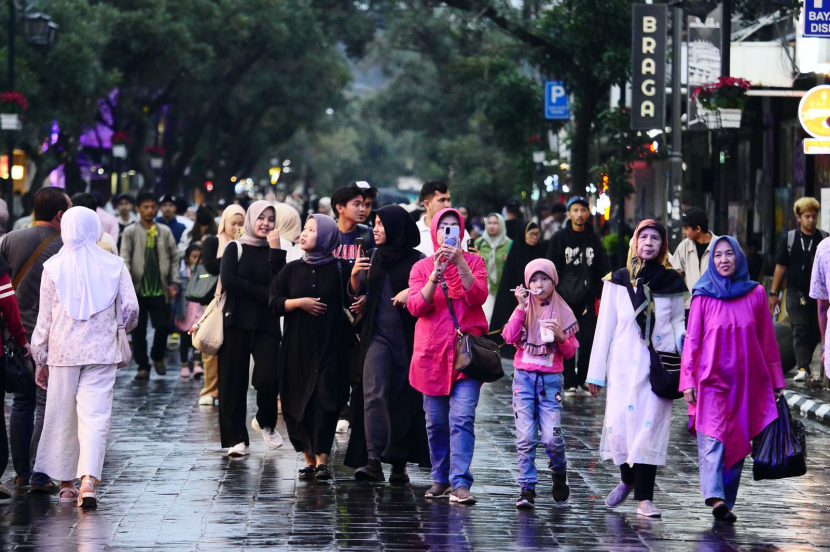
(450, 399)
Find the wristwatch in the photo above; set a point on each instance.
(773, 292)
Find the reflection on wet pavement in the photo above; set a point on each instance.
(167, 486)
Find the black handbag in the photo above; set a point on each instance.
(202, 286)
(780, 450)
(476, 357)
(664, 374)
(18, 371)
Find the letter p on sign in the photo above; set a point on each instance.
(556, 92)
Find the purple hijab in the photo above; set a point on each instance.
(328, 238)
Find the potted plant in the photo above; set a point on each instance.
(722, 102)
(156, 154)
(120, 141)
(12, 105)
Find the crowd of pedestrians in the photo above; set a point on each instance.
(356, 314)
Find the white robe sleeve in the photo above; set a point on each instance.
(678, 317)
(606, 326)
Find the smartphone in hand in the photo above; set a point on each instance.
(451, 235)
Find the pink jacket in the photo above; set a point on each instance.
(512, 334)
(432, 371)
(731, 357)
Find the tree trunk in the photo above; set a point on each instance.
(584, 116)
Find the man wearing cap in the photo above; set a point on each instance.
(168, 206)
(691, 258)
(580, 259)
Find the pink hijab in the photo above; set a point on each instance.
(543, 308)
(451, 275)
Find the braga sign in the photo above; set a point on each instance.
(648, 71)
(814, 115)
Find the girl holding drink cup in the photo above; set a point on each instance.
(542, 328)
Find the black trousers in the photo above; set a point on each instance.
(576, 368)
(804, 323)
(314, 434)
(156, 311)
(642, 476)
(234, 359)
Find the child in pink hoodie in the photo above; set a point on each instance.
(542, 328)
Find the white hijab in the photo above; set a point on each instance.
(86, 277)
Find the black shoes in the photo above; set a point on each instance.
(306, 473)
(322, 472)
(142, 375)
(561, 490)
(399, 475)
(526, 500)
(371, 472)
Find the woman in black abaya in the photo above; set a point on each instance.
(390, 426)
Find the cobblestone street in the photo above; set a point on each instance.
(167, 486)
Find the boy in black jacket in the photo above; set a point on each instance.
(580, 259)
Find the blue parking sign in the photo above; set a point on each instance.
(556, 100)
(817, 18)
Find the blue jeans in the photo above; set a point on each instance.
(715, 481)
(537, 404)
(25, 427)
(451, 433)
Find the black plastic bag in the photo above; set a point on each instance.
(780, 450)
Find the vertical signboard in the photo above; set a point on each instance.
(648, 58)
(704, 47)
(556, 101)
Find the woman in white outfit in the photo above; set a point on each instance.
(641, 304)
(76, 350)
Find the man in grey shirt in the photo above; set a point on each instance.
(26, 420)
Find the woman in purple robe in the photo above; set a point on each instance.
(730, 372)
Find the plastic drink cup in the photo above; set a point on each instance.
(546, 333)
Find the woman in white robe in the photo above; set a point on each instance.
(635, 433)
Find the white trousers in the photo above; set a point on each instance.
(77, 421)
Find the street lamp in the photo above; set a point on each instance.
(39, 31)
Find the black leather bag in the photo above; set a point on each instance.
(476, 357)
(18, 371)
(202, 286)
(664, 374)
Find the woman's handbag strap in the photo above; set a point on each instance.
(449, 305)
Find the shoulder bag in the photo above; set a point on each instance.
(209, 332)
(18, 371)
(664, 374)
(33, 257)
(475, 357)
(123, 342)
(202, 286)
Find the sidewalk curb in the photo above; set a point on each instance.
(808, 406)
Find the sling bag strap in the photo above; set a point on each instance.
(449, 305)
(33, 257)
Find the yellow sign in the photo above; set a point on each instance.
(816, 146)
(814, 112)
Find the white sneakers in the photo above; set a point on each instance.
(271, 437)
(342, 426)
(802, 375)
(648, 509)
(207, 400)
(239, 450)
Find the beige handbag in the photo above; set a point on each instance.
(209, 332)
(123, 342)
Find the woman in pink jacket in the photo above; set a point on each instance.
(450, 399)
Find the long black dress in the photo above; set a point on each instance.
(513, 275)
(314, 372)
(406, 441)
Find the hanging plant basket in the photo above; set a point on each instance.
(10, 121)
(722, 117)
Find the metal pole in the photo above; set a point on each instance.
(9, 184)
(723, 136)
(675, 187)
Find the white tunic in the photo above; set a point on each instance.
(637, 422)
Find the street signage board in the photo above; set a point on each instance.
(814, 116)
(703, 43)
(556, 101)
(817, 18)
(648, 66)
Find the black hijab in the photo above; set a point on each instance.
(652, 278)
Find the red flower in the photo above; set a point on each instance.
(14, 100)
(120, 138)
(155, 151)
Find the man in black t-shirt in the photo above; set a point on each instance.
(350, 209)
(795, 261)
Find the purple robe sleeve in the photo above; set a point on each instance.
(692, 346)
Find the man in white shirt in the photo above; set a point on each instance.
(691, 258)
(434, 197)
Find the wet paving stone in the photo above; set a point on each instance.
(167, 486)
